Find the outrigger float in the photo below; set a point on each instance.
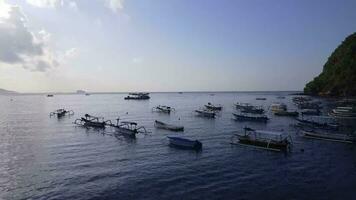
(61, 113)
(213, 107)
(128, 128)
(269, 140)
(333, 137)
(162, 125)
(92, 121)
(163, 109)
(255, 118)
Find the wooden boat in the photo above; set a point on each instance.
(269, 140)
(185, 143)
(329, 136)
(280, 97)
(256, 118)
(309, 105)
(61, 113)
(243, 105)
(287, 113)
(87, 94)
(343, 112)
(205, 113)
(310, 112)
(253, 110)
(92, 121)
(210, 106)
(162, 125)
(128, 128)
(319, 123)
(163, 109)
(138, 96)
(50, 95)
(261, 98)
(277, 107)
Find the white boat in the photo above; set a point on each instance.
(205, 113)
(163, 109)
(278, 107)
(329, 136)
(211, 106)
(138, 96)
(343, 112)
(185, 143)
(162, 125)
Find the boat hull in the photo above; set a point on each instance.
(161, 125)
(329, 137)
(185, 143)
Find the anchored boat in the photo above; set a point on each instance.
(261, 98)
(61, 113)
(328, 136)
(343, 112)
(138, 96)
(277, 107)
(269, 140)
(163, 109)
(205, 113)
(245, 117)
(162, 125)
(211, 106)
(128, 128)
(248, 108)
(310, 112)
(287, 113)
(185, 143)
(92, 121)
(318, 122)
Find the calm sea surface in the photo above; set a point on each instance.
(47, 158)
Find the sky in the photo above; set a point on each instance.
(168, 45)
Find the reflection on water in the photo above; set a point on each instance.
(49, 158)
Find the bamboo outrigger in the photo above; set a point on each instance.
(92, 121)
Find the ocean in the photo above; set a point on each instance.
(43, 157)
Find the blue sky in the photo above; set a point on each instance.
(168, 45)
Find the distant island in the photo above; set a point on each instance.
(338, 78)
(3, 91)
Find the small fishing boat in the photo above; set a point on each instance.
(163, 109)
(210, 106)
(325, 123)
(162, 125)
(50, 95)
(128, 128)
(61, 113)
(309, 105)
(269, 140)
(335, 137)
(261, 98)
(252, 110)
(245, 117)
(286, 113)
(310, 112)
(87, 94)
(277, 107)
(281, 97)
(185, 143)
(92, 121)
(243, 106)
(205, 113)
(138, 96)
(343, 112)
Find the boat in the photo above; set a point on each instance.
(185, 143)
(92, 121)
(87, 94)
(343, 112)
(318, 122)
(309, 105)
(245, 117)
(277, 107)
(128, 128)
(50, 95)
(163, 109)
(205, 113)
(261, 98)
(281, 97)
(286, 113)
(252, 110)
(269, 140)
(210, 106)
(335, 137)
(243, 105)
(138, 96)
(162, 125)
(310, 112)
(61, 113)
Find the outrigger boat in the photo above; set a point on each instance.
(325, 123)
(280, 97)
(328, 136)
(344, 112)
(128, 128)
(163, 109)
(61, 113)
(50, 95)
(205, 113)
(256, 118)
(261, 98)
(162, 125)
(269, 140)
(92, 121)
(210, 106)
(185, 143)
(137, 96)
(287, 113)
(243, 105)
(248, 108)
(277, 107)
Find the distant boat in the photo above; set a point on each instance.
(256, 118)
(318, 122)
(61, 113)
(280, 97)
(185, 143)
(310, 112)
(205, 113)
(50, 95)
(329, 136)
(269, 140)
(277, 107)
(343, 112)
(261, 98)
(162, 125)
(163, 109)
(127, 128)
(138, 96)
(180, 92)
(287, 113)
(87, 94)
(213, 107)
(92, 121)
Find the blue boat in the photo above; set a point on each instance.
(185, 143)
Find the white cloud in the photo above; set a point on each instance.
(20, 46)
(115, 5)
(70, 53)
(46, 3)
